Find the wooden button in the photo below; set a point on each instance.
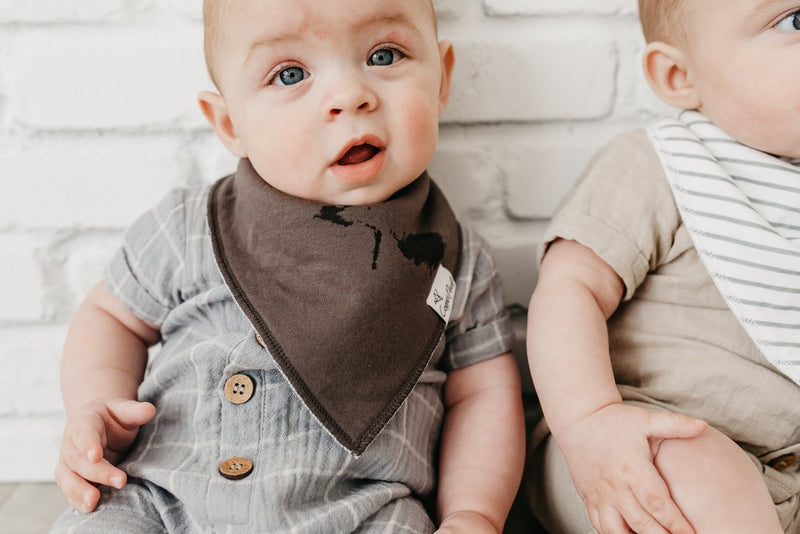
(235, 468)
(782, 462)
(239, 388)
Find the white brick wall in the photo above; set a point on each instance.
(98, 118)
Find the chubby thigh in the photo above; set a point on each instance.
(559, 508)
(553, 497)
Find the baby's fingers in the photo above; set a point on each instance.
(131, 414)
(89, 437)
(667, 425)
(607, 520)
(99, 471)
(638, 519)
(81, 495)
(653, 496)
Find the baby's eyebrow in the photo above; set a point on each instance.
(377, 19)
(272, 41)
(384, 19)
(770, 7)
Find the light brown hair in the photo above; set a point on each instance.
(212, 14)
(663, 20)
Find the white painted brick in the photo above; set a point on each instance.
(192, 9)
(542, 166)
(21, 279)
(87, 182)
(529, 80)
(33, 442)
(508, 8)
(50, 11)
(630, 75)
(106, 80)
(514, 247)
(213, 160)
(540, 175)
(468, 178)
(447, 10)
(86, 262)
(29, 383)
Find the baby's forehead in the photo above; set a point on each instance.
(214, 11)
(220, 31)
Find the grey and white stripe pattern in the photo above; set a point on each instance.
(742, 209)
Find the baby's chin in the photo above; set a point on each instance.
(362, 196)
(779, 146)
(777, 137)
(374, 192)
(791, 155)
(788, 154)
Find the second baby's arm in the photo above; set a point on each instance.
(609, 447)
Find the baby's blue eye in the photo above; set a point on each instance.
(384, 57)
(291, 76)
(790, 22)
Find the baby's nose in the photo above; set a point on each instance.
(351, 96)
(363, 106)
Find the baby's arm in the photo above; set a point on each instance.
(483, 443)
(102, 366)
(609, 447)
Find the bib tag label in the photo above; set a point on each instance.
(442, 292)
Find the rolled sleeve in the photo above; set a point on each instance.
(482, 329)
(144, 272)
(622, 209)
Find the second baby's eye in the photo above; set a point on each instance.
(790, 22)
(291, 76)
(384, 57)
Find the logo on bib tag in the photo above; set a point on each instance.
(442, 292)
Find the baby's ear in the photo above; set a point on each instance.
(448, 60)
(216, 111)
(667, 70)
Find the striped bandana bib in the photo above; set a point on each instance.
(742, 209)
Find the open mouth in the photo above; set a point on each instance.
(359, 154)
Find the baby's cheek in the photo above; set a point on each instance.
(421, 122)
(286, 144)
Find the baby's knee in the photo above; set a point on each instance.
(711, 459)
(714, 483)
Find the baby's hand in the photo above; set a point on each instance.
(96, 436)
(610, 455)
(466, 523)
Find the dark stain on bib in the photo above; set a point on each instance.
(427, 248)
(423, 249)
(332, 214)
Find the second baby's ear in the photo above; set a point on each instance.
(216, 111)
(668, 72)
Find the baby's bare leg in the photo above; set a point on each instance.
(717, 486)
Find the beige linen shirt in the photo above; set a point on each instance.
(674, 343)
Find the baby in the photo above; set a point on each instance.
(331, 337)
(663, 331)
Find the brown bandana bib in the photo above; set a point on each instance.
(338, 293)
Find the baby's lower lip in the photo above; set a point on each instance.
(359, 154)
(356, 171)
